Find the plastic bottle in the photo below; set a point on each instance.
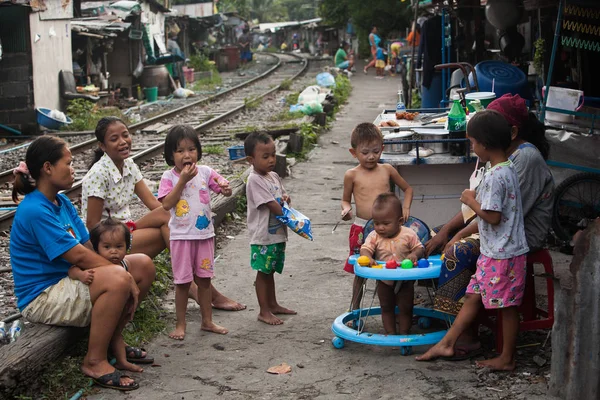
(400, 107)
(15, 330)
(457, 126)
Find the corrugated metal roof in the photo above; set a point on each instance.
(99, 26)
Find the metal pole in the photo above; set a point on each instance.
(444, 55)
(561, 6)
(413, 64)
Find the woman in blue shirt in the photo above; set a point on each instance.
(47, 238)
(374, 41)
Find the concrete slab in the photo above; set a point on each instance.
(313, 283)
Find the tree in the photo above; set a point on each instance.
(388, 15)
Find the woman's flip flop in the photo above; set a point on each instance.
(134, 355)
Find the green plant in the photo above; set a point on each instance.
(287, 116)
(416, 99)
(342, 91)
(208, 83)
(292, 98)
(200, 62)
(213, 149)
(85, 115)
(538, 56)
(286, 84)
(251, 103)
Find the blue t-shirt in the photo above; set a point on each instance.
(41, 232)
(380, 54)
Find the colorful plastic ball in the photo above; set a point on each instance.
(423, 263)
(377, 266)
(406, 264)
(391, 264)
(338, 342)
(363, 261)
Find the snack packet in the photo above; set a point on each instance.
(296, 221)
(474, 181)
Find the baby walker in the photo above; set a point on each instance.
(424, 269)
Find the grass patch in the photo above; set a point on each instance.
(213, 149)
(342, 91)
(287, 116)
(292, 98)
(208, 84)
(252, 103)
(286, 84)
(85, 115)
(310, 133)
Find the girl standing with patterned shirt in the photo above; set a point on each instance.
(185, 192)
(499, 281)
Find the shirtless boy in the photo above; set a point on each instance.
(365, 182)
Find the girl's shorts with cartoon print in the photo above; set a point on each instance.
(267, 258)
(501, 283)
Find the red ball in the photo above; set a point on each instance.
(391, 264)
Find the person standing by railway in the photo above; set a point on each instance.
(46, 239)
(112, 183)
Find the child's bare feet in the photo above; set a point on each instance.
(127, 366)
(497, 364)
(269, 318)
(212, 327)
(439, 350)
(282, 310)
(178, 333)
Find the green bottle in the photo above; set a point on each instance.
(457, 119)
(457, 126)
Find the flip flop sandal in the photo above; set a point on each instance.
(134, 355)
(113, 381)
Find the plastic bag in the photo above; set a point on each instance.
(137, 72)
(325, 79)
(296, 221)
(474, 181)
(312, 108)
(58, 115)
(311, 94)
(295, 107)
(182, 93)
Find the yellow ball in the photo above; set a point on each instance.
(377, 266)
(363, 261)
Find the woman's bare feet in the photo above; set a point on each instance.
(282, 310)
(497, 364)
(127, 366)
(439, 350)
(178, 333)
(212, 327)
(269, 318)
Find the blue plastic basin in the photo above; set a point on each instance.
(45, 120)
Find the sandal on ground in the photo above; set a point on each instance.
(113, 381)
(134, 355)
(462, 353)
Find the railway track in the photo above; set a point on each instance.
(202, 114)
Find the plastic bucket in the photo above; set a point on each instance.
(151, 94)
(565, 99)
(484, 97)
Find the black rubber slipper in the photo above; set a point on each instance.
(113, 381)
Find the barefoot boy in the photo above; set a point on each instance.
(365, 182)
(392, 241)
(265, 194)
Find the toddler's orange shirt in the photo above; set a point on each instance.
(398, 247)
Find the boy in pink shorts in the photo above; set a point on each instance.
(365, 182)
(185, 191)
